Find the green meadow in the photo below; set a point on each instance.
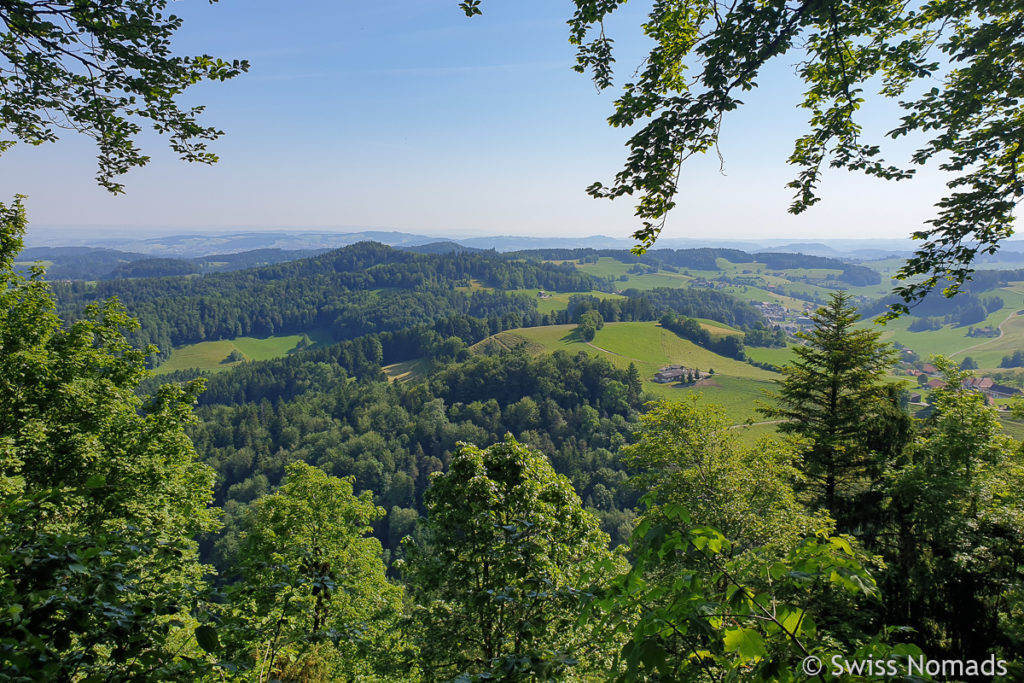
(559, 301)
(406, 371)
(650, 347)
(777, 357)
(952, 340)
(212, 354)
(606, 266)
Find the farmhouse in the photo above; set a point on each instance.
(672, 373)
(979, 383)
(678, 373)
(1003, 391)
(988, 387)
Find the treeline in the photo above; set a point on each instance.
(701, 303)
(152, 267)
(361, 289)
(773, 337)
(77, 263)
(646, 305)
(362, 266)
(706, 259)
(443, 341)
(854, 275)
(90, 263)
(968, 307)
(698, 259)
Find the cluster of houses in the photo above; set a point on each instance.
(679, 373)
(709, 284)
(789, 320)
(985, 385)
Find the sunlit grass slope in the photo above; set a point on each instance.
(210, 355)
(557, 301)
(650, 347)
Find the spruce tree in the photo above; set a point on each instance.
(835, 396)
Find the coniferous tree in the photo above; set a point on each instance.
(834, 395)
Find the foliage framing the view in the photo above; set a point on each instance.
(101, 69)
(952, 66)
(101, 496)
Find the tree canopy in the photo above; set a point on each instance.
(953, 67)
(508, 549)
(101, 496)
(102, 69)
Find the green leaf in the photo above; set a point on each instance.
(207, 638)
(746, 642)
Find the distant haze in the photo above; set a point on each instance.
(406, 114)
(190, 242)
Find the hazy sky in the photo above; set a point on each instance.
(407, 115)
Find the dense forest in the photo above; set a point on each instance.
(706, 259)
(349, 292)
(508, 516)
(91, 263)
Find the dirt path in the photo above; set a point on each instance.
(595, 346)
(755, 424)
(990, 339)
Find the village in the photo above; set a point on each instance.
(928, 377)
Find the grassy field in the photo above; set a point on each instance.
(717, 328)
(558, 301)
(406, 371)
(650, 347)
(210, 355)
(953, 341)
(654, 280)
(777, 357)
(989, 352)
(29, 264)
(612, 268)
(475, 286)
(748, 293)
(606, 266)
(1014, 428)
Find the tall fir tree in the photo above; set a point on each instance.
(835, 396)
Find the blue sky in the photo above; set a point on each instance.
(404, 114)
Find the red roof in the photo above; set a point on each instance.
(936, 384)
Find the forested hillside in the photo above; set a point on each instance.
(349, 292)
(505, 512)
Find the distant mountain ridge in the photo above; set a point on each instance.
(90, 263)
(200, 245)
